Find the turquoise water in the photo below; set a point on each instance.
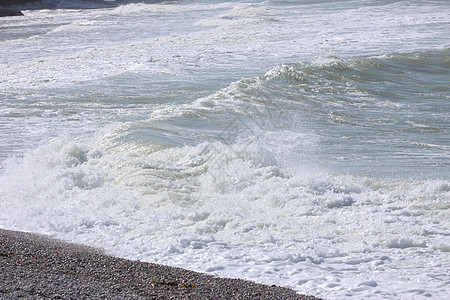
(296, 143)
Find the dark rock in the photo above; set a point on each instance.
(7, 12)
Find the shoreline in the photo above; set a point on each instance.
(33, 266)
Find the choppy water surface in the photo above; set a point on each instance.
(295, 143)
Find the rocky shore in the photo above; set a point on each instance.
(9, 12)
(36, 267)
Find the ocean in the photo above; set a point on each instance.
(297, 143)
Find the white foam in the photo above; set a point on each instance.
(222, 209)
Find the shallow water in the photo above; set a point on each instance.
(295, 143)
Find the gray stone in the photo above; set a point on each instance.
(35, 267)
(8, 12)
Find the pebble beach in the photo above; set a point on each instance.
(36, 267)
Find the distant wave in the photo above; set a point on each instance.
(73, 4)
